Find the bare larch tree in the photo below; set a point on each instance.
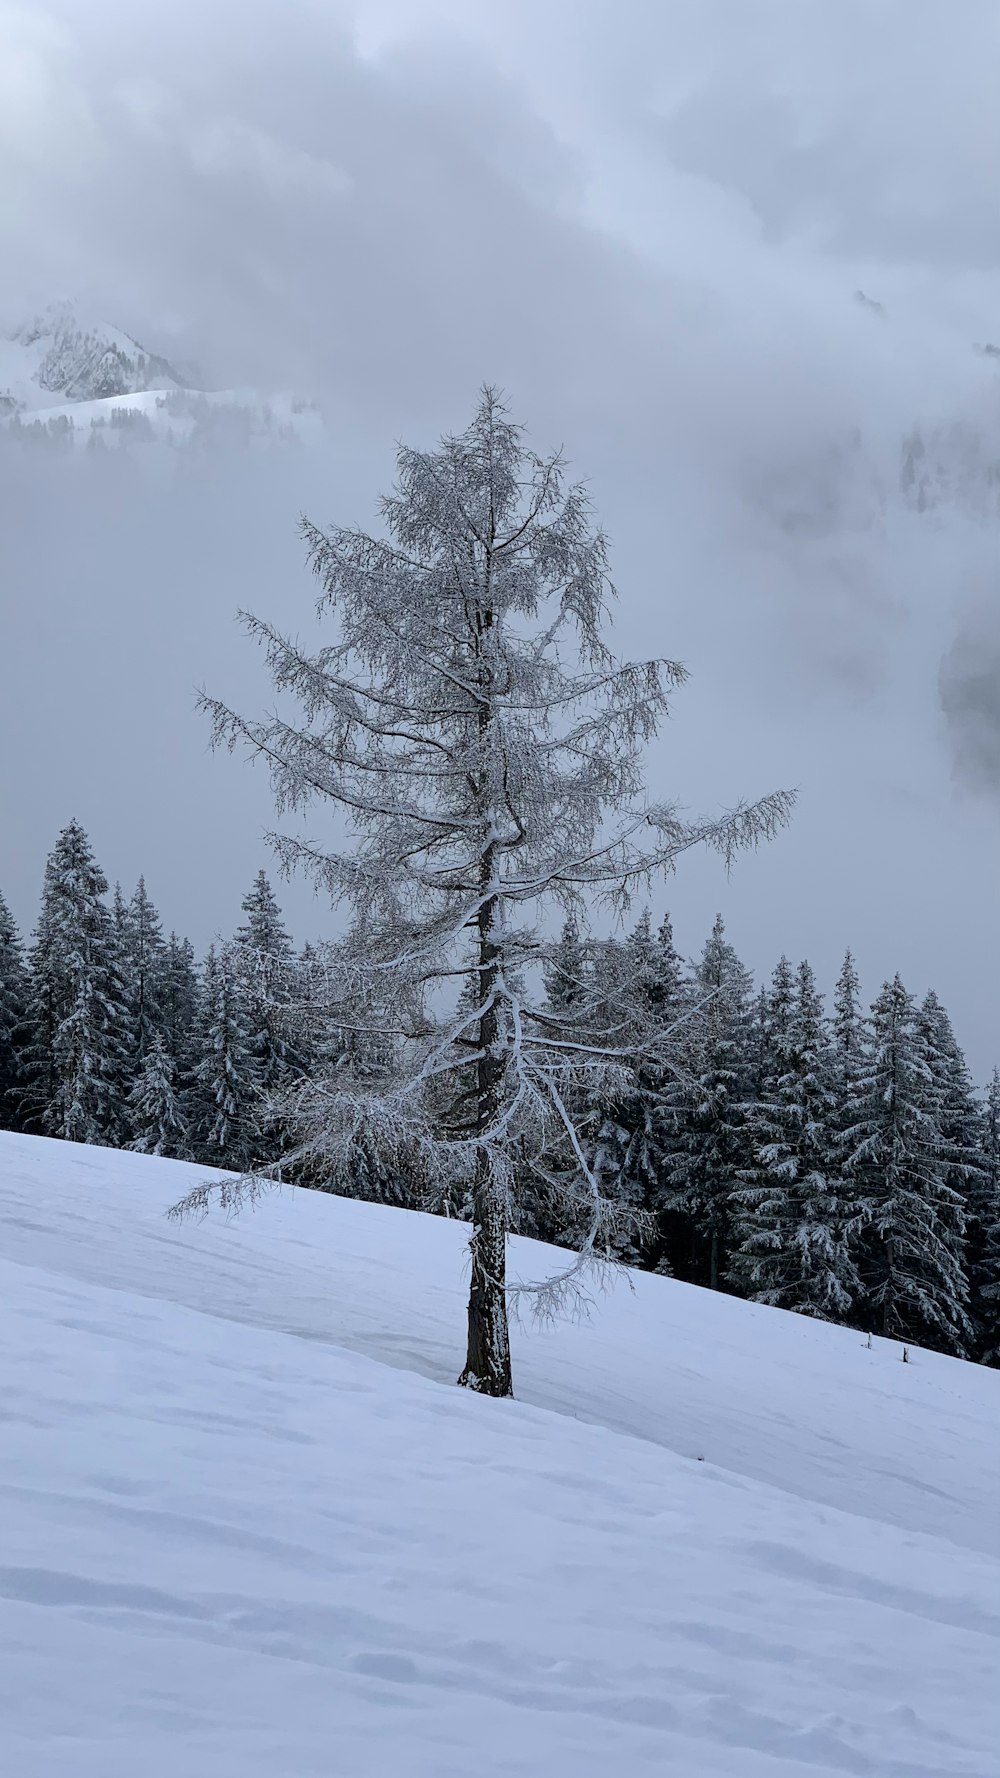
(484, 748)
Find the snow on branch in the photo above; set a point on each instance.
(470, 723)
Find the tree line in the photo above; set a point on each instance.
(111, 1033)
(837, 1163)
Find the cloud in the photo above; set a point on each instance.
(970, 698)
(649, 225)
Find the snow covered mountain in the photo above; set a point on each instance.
(251, 1527)
(56, 358)
(65, 378)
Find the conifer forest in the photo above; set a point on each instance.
(837, 1161)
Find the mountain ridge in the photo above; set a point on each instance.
(64, 377)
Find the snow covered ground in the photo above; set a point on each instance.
(250, 1530)
(177, 414)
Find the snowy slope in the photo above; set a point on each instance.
(250, 1529)
(58, 357)
(78, 375)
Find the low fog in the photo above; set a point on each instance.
(650, 227)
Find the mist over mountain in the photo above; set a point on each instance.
(653, 241)
(65, 379)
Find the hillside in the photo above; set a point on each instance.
(251, 1529)
(57, 358)
(72, 378)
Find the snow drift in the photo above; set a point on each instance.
(250, 1528)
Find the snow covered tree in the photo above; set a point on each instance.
(758, 1045)
(75, 1007)
(656, 970)
(984, 1231)
(13, 1019)
(264, 955)
(791, 1218)
(911, 1259)
(779, 1005)
(263, 932)
(959, 1114)
(155, 1114)
(227, 1087)
(613, 1111)
(713, 1145)
(568, 976)
(143, 965)
(485, 746)
(850, 1034)
(323, 1049)
(641, 1127)
(179, 1003)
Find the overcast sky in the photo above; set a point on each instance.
(648, 223)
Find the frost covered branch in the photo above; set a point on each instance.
(484, 747)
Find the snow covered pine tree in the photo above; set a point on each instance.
(712, 1147)
(912, 1253)
(791, 1219)
(154, 1111)
(264, 957)
(984, 1255)
(485, 746)
(74, 1058)
(13, 1018)
(226, 1086)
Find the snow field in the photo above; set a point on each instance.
(249, 1529)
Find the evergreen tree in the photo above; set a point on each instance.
(850, 1038)
(911, 1259)
(959, 1114)
(767, 1050)
(984, 1232)
(614, 1106)
(125, 1072)
(850, 1030)
(652, 1111)
(179, 1004)
(791, 1216)
(227, 1085)
(144, 958)
(13, 1019)
(75, 1010)
(713, 1147)
(568, 971)
(263, 933)
(180, 1009)
(655, 969)
(582, 978)
(779, 1018)
(155, 1114)
(264, 955)
(758, 1045)
(627, 992)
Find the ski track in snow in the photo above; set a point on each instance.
(248, 1534)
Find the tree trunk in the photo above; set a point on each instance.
(888, 1299)
(487, 1365)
